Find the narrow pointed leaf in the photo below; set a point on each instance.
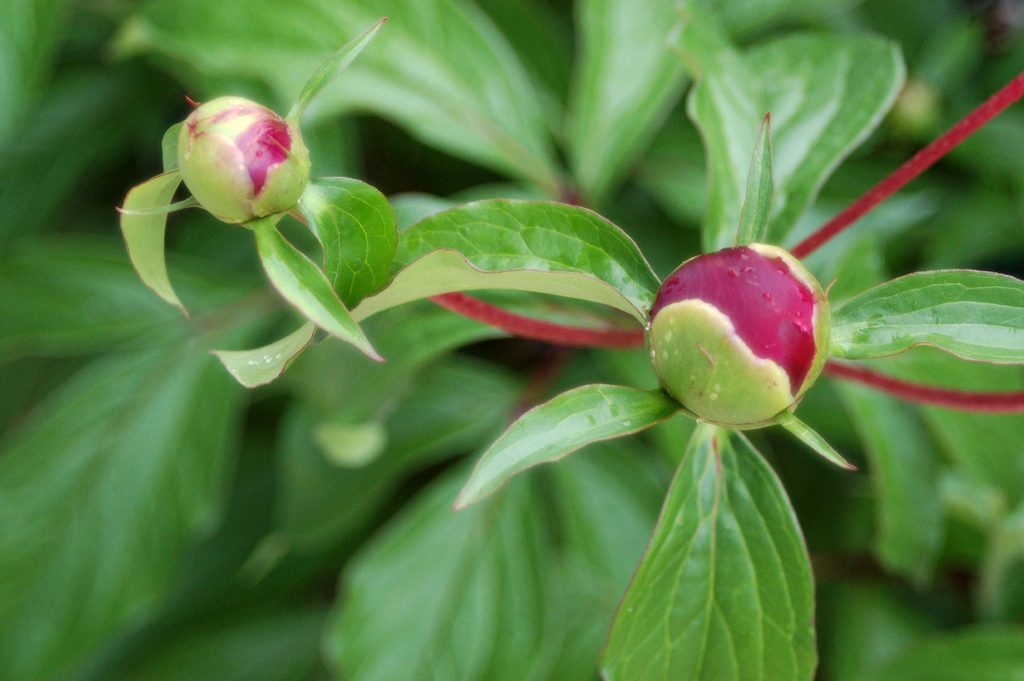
(973, 315)
(144, 234)
(190, 202)
(357, 230)
(169, 145)
(303, 285)
(524, 245)
(557, 428)
(826, 95)
(259, 366)
(757, 207)
(724, 591)
(331, 69)
(810, 438)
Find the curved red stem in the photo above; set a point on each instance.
(535, 329)
(561, 334)
(964, 400)
(917, 164)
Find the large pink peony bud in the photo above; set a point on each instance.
(739, 335)
(241, 160)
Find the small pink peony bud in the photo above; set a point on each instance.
(739, 335)
(241, 160)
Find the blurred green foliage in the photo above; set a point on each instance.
(157, 521)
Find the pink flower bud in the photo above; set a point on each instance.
(242, 161)
(739, 335)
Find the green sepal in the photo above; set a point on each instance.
(143, 232)
(809, 437)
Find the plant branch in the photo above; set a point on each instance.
(917, 164)
(535, 329)
(964, 400)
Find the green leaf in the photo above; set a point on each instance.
(864, 626)
(264, 647)
(72, 295)
(351, 445)
(303, 285)
(260, 366)
(30, 36)
(626, 82)
(990, 653)
(441, 70)
(973, 315)
(825, 94)
(984, 447)
(356, 228)
(524, 245)
(431, 596)
(331, 69)
(725, 590)
(606, 504)
(904, 475)
(561, 426)
(810, 438)
(428, 415)
(169, 146)
(757, 206)
(102, 490)
(144, 234)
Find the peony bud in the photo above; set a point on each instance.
(241, 160)
(739, 335)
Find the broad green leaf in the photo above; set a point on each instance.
(144, 234)
(69, 296)
(331, 69)
(981, 652)
(440, 69)
(435, 591)
(974, 315)
(428, 415)
(724, 591)
(626, 82)
(524, 245)
(102, 490)
(264, 647)
(757, 206)
(30, 36)
(810, 438)
(303, 285)
(999, 591)
(169, 146)
(825, 95)
(904, 474)
(984, 447)
(86, 118)
(864, 625)
(356, 228)
(561, 426)
(259, 366)
(606, 504)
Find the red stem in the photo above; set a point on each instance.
(560, 334)
(963, 400)
(920, 162)
(526, 327)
